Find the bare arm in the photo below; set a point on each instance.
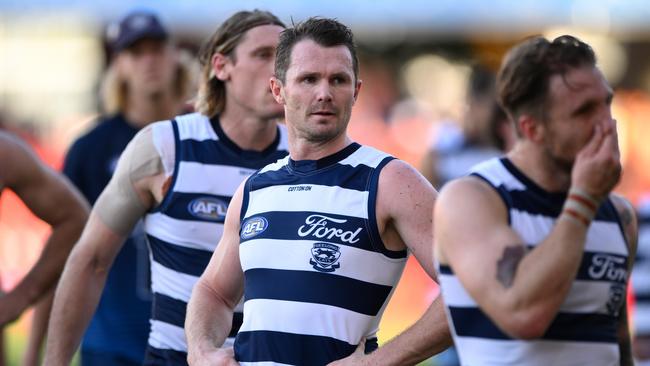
(630, 226)
(490, 259)
(37, 331)
(54, 200)
(114, 215)
(215, 295)
(404, 210)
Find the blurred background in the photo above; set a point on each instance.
(416, 60)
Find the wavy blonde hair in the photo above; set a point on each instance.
(114, 90)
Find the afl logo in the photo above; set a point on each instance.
(253, 227)
(208, 208)
(325, 257)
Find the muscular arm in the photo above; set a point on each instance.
(53, 199)
(209, 312)
(117, 210)
(404, 210)
(630, 227)
(514, 290)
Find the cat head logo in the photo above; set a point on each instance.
(325, 257)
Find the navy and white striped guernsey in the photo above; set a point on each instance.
(584, 330)
(185, 228)
(317, 275)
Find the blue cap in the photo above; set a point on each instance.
(134, 27)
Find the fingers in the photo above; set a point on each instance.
(594, 142)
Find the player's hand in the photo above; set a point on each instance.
(355, 359)
(597, 167)
(216, 357)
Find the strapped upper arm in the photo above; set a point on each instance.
(128, 195)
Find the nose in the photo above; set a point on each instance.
(324, 92)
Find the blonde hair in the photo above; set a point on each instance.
(211, 98)
(114, 90)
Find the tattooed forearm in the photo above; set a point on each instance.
(507, 265)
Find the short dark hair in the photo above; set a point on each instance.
(212, 91)
(324, 31)
(523, 80)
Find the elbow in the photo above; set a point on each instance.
(526, 324)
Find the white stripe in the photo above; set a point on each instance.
(478, 351)
(497, 174)
(275, 166)
(579, 300)
(295, 255)
(365, 155)
(300, 318)
(454, 293)
(221, 180)
(195, 126)
(167, 336)
(171, 283)
(189, 234)
(330, 201)
(642, 318)
(603, 237)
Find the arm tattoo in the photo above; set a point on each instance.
(507, 265)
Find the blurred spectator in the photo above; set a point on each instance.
(641, 287)
(145, 82)
(485, 132)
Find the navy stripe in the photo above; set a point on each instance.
(288, 348)
(172, 311)
(287, 225)
(445, 270)
(315, 287)
(168, 310)
(181, 259)
(642, 297)
(214, 152)
(198, 207)
(337, 175)
(472, 322)
(164, 357)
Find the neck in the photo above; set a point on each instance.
(144, 109)
(248, 132)
(303, 149)
(536, 165)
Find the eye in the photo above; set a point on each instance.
(309, 79)
(339, 80)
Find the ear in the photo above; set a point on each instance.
(221, 66)
(357, 88)
(531, 128)
(277, 90)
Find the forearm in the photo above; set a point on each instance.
(37, 330)
(44, 274)
(208, 321)
(75, 302)
(426, 337)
